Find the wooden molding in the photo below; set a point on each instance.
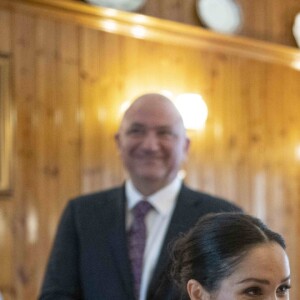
(5, 128)
(162, 31)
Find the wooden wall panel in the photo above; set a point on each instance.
(269, 20)
(6, 209)
(26, 200)
(5, 31)
(67, 114)
(70, 79)
(6, 249)
(57, 96)
(99, 82)
(47, 141)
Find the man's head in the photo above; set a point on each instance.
(152, 142)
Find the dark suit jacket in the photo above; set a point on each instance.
(89, 259)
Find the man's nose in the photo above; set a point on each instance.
(151, 141)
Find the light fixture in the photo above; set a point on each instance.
(109, 25)
(138, 31)
(193, 110)
(297, 152)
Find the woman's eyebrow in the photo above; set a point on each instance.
(257, 280)
(286, 279)
(262, 281)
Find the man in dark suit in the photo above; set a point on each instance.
(91, 258)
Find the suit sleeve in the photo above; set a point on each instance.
(61, 280)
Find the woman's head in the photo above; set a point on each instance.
(230, 253)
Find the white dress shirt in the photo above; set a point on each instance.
(157, 221)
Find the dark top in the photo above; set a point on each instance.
(89, 259)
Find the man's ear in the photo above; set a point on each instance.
(118, 142)
(117, 138)
(196, 291)
(187, 144)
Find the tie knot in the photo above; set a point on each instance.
(141, 209)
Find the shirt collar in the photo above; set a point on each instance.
(163, 200)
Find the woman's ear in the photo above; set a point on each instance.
(196, 290)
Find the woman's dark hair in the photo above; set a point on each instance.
(213, 248)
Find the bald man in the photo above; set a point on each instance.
(91, 258)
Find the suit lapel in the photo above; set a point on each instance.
(118, 241)
(185, 215)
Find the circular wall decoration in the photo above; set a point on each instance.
(128, 5)
(223, 16)
(296, 29)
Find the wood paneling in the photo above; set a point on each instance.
(5, 31)
(269, 20)
(7, 229)
(71, 76)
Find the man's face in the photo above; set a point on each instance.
(152, 143)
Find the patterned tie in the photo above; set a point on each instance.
(137, 242)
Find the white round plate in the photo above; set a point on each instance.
(296, 29)
(223, 16)
(129, 5)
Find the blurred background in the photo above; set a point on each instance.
(69, 68)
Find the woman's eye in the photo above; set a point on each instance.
(283, 290)
(253, 291)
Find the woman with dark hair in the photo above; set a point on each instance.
(231, 256)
